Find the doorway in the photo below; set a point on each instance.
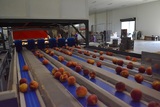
(129, 25)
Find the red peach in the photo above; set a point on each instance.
(92, 75)
(63, 78)
(120, 86)
(60, 58)
(101, 57)
(74, 64)
(128, 57)
(95, 51)
(130, 66)
(57, 75)
(139, 78)
(69, 64)
(94, 56)
(141, 69)
(101, 52)
(45, 62)
(85, 72)
(81, 91)
(149, 70)
(114, 61)
(33, 85)
(92, 100)
(71, 80)
(25, 68)
(156, 85)
(153, 104)
(136, 94)
(78, 68)
(134, 59)
(61, 69)
(118, 70)
(98, 64)
(120, 62)
(124, 73)
(22, 80)
(54, 70)
(51, 53)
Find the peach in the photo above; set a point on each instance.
(110, 54)
(139, 78)
(92, 75)
(51, 53)
(33, 85)
(40, 55)
(81, 91)
(74, 64)
(54, 70)
(141, 69)
(23, 87)
(92, 100)
(130, 66)
(25, 68)
(78, 68)
(101, 57)
(47, 51)
(114, 61)
(63, 78)
(98, 64)
(69, 64)
(120, 62)
(101, 52)
(90, 61)
(153, 104)
(149, 70)
(68, 74)
(128, 57)
(95, 51)
(124, 73)
(70, 53)
(22, 80)
(57, 75)
(60, 58)
(156, 85)
(136, 94)
(94, 56)
(61, 69)
(118, 70)
(45, 62)
(71, 80)
(120, 86)
(134, 59)
(85, 72)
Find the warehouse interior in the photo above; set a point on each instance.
(80, 53)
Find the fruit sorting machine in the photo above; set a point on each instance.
(97, 87)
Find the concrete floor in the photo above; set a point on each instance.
(148, 46)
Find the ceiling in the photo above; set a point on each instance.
(96, 6)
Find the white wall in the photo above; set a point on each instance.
(147, 18)
(44, 9)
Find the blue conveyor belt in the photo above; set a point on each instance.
(71, 89)
(110, 89)
(30, 96)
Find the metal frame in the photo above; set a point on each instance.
(43, 23)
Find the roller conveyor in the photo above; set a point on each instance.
(31, 98)
(113, 71)
(101, 74)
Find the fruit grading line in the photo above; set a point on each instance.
(64, 77)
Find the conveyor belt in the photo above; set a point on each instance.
(113, 71)
(30, 96)
(71, 89)
(110, 89)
